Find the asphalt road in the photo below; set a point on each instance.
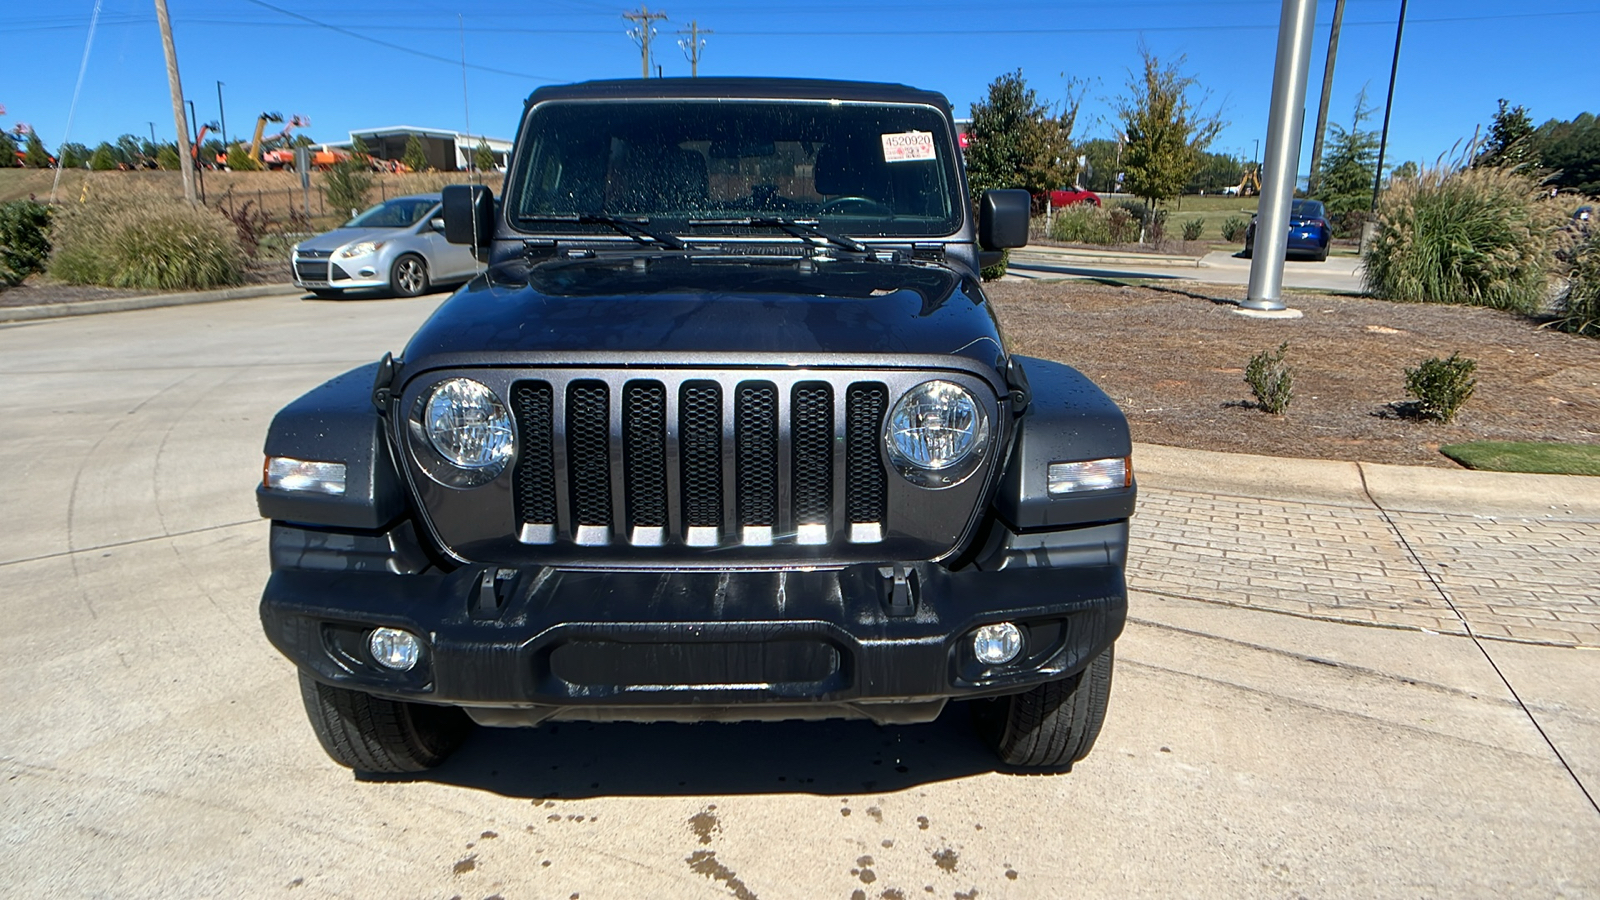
(152, 744)
(1337, 273)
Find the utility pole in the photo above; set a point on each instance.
(692, 47)
(1327, 92)
(222, 115)
(199, 172)
(642, 32)
(152, 133)
(1388, 106)
(185, 161)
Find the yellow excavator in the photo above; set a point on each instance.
(255, 142)
(1249, 185)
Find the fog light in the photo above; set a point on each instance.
(394, 649)
(998, 644)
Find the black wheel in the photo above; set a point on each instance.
(409, 276)
(371, 734)
(1050, 726)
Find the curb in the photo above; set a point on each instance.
(1071, 256)
(143, 301)
(1388, 487)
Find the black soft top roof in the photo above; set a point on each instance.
(740, 88)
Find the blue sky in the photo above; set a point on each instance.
(296, 57)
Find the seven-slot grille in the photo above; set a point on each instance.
(699, 462)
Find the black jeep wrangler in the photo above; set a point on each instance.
(725, 431)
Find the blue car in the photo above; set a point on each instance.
(1309, 234)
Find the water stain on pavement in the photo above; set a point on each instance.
(704, 862)
(463, 866)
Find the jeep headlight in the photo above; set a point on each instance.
(463, 432)
(936, 434)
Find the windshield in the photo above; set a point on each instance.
(1306, 209)
(400, 213)
(870, 169)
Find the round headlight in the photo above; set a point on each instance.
(469, 428)
(936, 434)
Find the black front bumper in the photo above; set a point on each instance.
(516, 646)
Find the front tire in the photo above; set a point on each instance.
(372, 734)
(408, 277)
(1051, 726)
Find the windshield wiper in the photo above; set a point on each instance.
(634, 227)
(800, 228)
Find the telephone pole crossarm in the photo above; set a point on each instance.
(643, 30)
(693, 46)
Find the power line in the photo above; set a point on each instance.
(643, 32)
(403, 49)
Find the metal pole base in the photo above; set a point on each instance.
(1265, 312)
(1262, 304)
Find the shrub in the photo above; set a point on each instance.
(1579, 303)
(1441, 386)
(249, 223)
(104, 158)
(414, 157)
(1082, 223)
(1233, 229)
(35, 156)
(1120, 224)
(1271, 380)
(167, 158)
(24, 240)
(1193, 228)
(997, 271)
(1480, 237)
(240, 160)
(141, 238)
(8, 152)
(347, 184)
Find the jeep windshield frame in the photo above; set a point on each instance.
(722, 168)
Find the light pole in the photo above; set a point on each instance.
(1388, 105)
(199, 170)
(1284, 121)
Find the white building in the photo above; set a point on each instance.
(447, 151)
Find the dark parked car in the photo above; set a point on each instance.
(727, 431)
(1309, 234)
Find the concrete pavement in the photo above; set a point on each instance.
(1258, 743)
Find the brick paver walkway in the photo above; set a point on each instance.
(1514, 579)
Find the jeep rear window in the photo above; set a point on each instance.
(681, 160)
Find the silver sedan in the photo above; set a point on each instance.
(397, 246)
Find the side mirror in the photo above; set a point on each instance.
(468, 215)
(1003, 219)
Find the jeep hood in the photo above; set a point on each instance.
(673, 309)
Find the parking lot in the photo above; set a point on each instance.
(153, 745)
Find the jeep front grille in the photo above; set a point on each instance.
(701, 462)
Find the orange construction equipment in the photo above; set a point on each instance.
(278, 152)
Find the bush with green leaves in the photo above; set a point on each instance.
(1441, 386)
(1578, 306)
(8, 152)
(24, 240)
(240, 160)
(1081, 223)
(34, 156)
(998, 270)
(141, 238)
(1480, 237)
(1271, 379)
(415, 157)
(1193, 228)
(347, 184)
(1233, 228)
(104, 158)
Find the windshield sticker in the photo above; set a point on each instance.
(907, 146)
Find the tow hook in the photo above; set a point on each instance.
(899, 589)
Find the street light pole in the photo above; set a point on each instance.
(1284, 122)
(1388, 105)
(222, 116)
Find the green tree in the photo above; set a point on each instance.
(24, 240)
(1217, 171)
(415, 157)
(1406, 171)
(35, 157)
(1102, 157)
(167, 158)
(104, 158)
(72, 155)
(1349, 168)
(1511, 140)
(347, 183)
(130, 150)
(1166, 131)
(1572, 151)
(240, 160)
(1018, 141)
(8, 152)
(483, 157)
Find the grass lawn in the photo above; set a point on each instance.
(1516, 456)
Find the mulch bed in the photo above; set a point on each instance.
(1173, 357)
